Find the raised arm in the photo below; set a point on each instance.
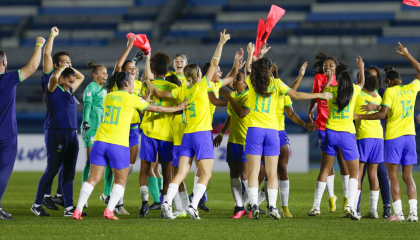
(217, 54)
(302, 70)
(34, 61)
(250, 49)
(48, 62)
(53, 83)
(237, 64)
(123, 57)
(240, 111)
(147, 69)
(404, 52)
(263, 50)
(79, 79)
(361, 66)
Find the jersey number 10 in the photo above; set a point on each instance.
(267, 109)
(110, 114)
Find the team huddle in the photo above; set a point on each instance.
(368, 128)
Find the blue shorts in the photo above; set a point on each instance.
(371, 150)
(8, 152)
(117, 156)
(340, 140)
(235, 153)
(321, 136)
(150, 147)
(401, 150)
(134, 135)
(284, 139)
(262, 141)
(198, 144)
(175, 153)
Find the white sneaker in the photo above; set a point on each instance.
(180, 214)
(372, 215)
(193, 212)
(315, 211)
(167, 211)
(412, 217)
(397, 217)
(274, 213)
(121, 210)
(350, 210)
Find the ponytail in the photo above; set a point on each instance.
(118, 78)
(345, 87)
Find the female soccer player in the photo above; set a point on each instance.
(197, 139)
(111, 144)
(369, 136)
(8, 125)
(324, 63)
(340, 134)
(400, 144)
(93, 99)
(262, 136)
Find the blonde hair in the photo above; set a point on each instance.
(191, 72)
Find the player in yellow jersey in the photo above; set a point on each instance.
(400, 144)
(369, 136)
(262, 136)
(340, 134)
(157, 138)
(111, 144)
(197, 139)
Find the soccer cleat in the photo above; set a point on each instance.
(238, 212)
(353, 213)
(274, 213)
(49, 203)
(104, 198)
(167, 211)
(108, 214)
(372, 215)
(70, 212)
(285, 212)
(39, 211)
(144, 209)
(5, 216)
(397, 218)
(77, 215)
(180, 214)
(255, 210)
(193, 212)
(155, 206)
(332, 204)
(262, 212)
(119, 209)
(345, 203)
(315, 211)
(412, 217)
(387, 211)
(161, 197)
(59, 200)
(202, 206)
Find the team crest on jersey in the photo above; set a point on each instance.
(88, 94)
(142, 100)
(91, 139)
(60, 148)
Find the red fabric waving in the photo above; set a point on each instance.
(141, 42)
(414, 3)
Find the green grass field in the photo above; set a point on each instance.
(216, 224)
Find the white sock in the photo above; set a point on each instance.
(161, 183)
(261, 196)
(184, 199)
(171, 193)
(397, 207)
(345, 182)
(352, 191)
(413, 205)
(284, 192)
(144, 193)
(130, 169)
(330, 186)
(253, 195)
(196, 180)
(245, 197)
(356, 200)
(116, 194)
(272, 197)
(198, 191)
(374, 197)
(177, 202)
(319, 191)
(46, 195)
(236, 189)
(85, 192)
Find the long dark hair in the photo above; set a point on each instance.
(320, 59)
(378, 74)
(345, 86)
(275, 71)
(159, 62)
(261, 76)
(118, 78)
(173, 79)
(371, 83)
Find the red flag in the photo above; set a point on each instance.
(260, 33)
(141, 42)
(414, 3)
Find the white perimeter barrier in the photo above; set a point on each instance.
(32, 155)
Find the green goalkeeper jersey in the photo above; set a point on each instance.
(93, 98)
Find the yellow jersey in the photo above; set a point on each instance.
(238, 125)
(367, 128)
(136, 91)
(341, 121)
(215, 87)
(284, 101)
(197, 116)
(263, 112)
(159, 125)
(119, 107)
(401, 100)
(178, 123)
